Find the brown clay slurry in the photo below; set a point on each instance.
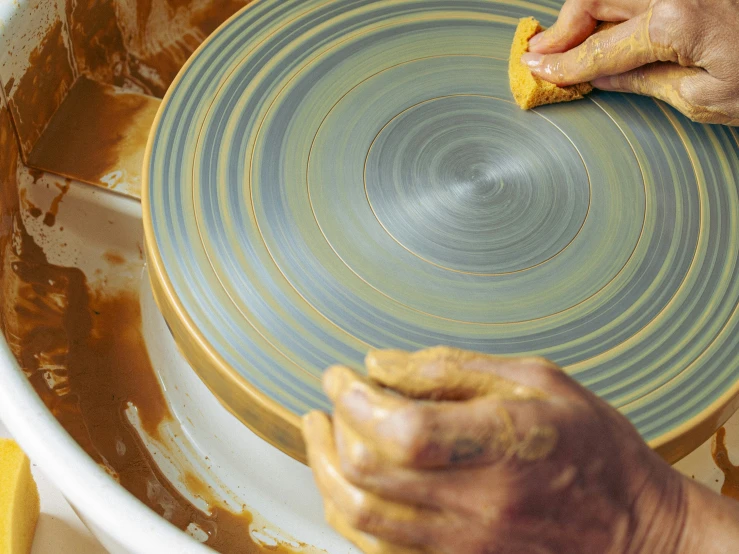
(42, 88)
(33, 210)
(96, 41)
(9, 85)
(160, 35)
(50, 217)
(9, 200)
(36, 174)
(96, 131)
(114, 258)
(731, 472)
(141, 44)
(84, 353)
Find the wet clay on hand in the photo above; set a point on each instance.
(444, 373)
(454, 452)
(531, 91)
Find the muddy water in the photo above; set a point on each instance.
(9, 202)
(42, 88)
(83, 351)
(720, 454)
(141, 44)
(110, 127)
(84, 354)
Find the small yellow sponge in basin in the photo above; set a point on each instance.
(19, 502)
(529, 90)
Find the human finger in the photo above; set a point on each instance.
(578, 19)
(687, 89)
(364, 541)
(443, 434)
(619, 49)
(362, 466)
(351, 508)
(572, 27)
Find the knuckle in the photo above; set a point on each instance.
(637, 81)
(593, 50)
(560, 68)
(359, 465)
(540, 362)
(361, 516)
(662, 22)
(673, 23)
(579, 5)
(415, 430)
(668, 14)
(691, 104)
(587, 6)
(542, 367)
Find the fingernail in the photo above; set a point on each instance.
(532, 59)
(536, 39)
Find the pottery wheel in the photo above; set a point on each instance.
(327, 177)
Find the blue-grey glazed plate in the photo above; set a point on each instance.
(330, 176)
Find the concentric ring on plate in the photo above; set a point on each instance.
(307, 184)
(455, 178)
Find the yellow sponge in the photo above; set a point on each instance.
(19, 503)
(531, 91)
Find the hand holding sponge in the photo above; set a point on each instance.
(528, 90)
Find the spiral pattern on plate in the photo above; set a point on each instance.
(329, 176)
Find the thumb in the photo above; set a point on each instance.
(572, 27)
(444, 373)
(687, 89)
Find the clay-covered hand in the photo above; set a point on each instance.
(685, 52)
(455, 452)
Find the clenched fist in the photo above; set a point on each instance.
(446, 451)
(685, 52)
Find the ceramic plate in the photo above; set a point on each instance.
(327, 177)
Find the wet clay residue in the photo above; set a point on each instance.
(9, 85)
(50, 217)
(84, 353)
(42, 88)
(9, 202)
(33, 210)
(721, 458)
(96, 40)
(142, 44)
(114, 258)
(97, 132)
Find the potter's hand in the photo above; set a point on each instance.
(453, 452)
(685, 52)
